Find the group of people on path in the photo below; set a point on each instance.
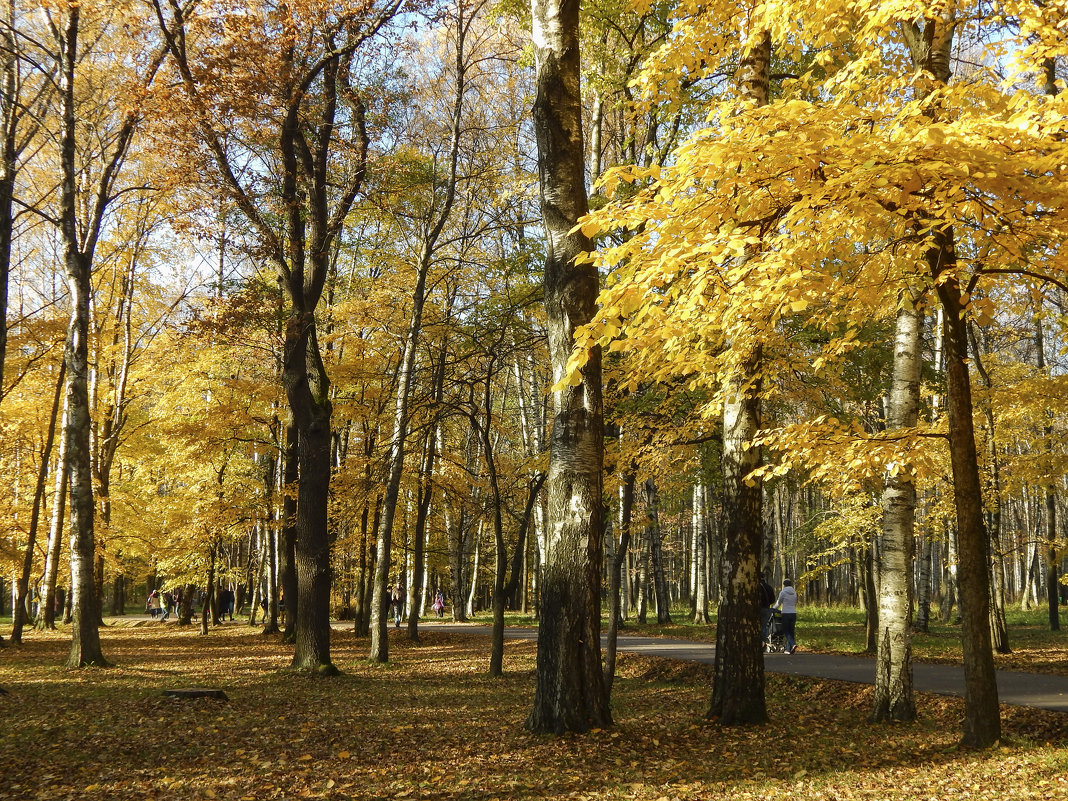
(161, 604)
(396, 603)
(786, 602)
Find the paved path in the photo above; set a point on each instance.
(1014, 687)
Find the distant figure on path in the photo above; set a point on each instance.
(226, 603)
(398, 605)
(154, 605)
(787, 601)
(439, 604)
(168, 605)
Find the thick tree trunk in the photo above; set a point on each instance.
(982, 721)
(85, 604)
(307, 387)
(893, 699)
(738, 672)
(570, 693)
(738, 689)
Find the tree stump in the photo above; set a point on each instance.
(196, 692)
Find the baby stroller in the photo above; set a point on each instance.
(775, 642)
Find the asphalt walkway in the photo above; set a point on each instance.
(1017, 688)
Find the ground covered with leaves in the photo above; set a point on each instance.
(431, 725)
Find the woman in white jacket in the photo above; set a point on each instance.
(787, 602)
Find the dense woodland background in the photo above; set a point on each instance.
(219, 170)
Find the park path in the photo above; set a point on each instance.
(1016, 688)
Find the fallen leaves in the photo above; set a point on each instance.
(434, 728)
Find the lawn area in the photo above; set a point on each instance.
(431, 725)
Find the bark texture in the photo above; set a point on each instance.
(982, 717)
(893, 663)
(738, 689)
(570, 692)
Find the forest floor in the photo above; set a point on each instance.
(431, 725)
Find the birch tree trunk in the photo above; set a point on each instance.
(570, 693)
(85, 612)
(893, 698)
(46, 616)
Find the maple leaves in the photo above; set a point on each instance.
(837, 181)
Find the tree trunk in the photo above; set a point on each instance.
(1050, 498)
(19, 611)
(308, 390)
(700, 557)
(570, 693)
(285, 594)
(436, 218)
(999, 632)
(619, 561)
(931, 49)
(923, 590)
(85, 604)
(425, 495)
(46, 617)
(738, 672)
(893, 699)
(656, 553)
(982, 721)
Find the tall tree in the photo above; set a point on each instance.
(321, 155)
(80, 219)
(893, 664)
(430, 227)
(738, 690)
(570, 693)
(931, 47)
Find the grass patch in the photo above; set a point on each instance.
(434, 726)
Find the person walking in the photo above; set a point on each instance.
(398, 605)
(787, 602)
(168, 606)
(439, 604)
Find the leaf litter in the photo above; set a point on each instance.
(434, 726)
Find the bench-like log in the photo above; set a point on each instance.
(196, 692)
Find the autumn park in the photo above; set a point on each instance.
(475, 399)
